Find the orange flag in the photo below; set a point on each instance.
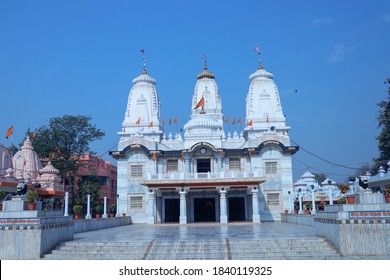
(234, 121)
(138, 122)
(52, 155)
(9, 132)
(175, 121)
(227, 120)
(151, 124)
(154, 156)
(200, 103)
(24, 163)
(170, 121)
(266, 120)
(239, 120)
(249, 123)
(34, 134)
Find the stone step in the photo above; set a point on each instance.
(284, 248)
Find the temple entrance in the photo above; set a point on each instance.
(172, 210)
(204, 209)
(236, 209)
(203, 165)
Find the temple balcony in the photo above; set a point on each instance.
(223, 178)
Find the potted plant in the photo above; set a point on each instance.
(307, 207)
(31, 198)
(112, 210)
(98, 210)
(344, 188)
(3, 194)
(341, 200)
(386, 191)
(77, 210)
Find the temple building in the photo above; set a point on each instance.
(204, 174)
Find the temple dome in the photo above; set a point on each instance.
(201, 122)
(206, 74)
(260, 73)
(49, 169)
(26, 162)
(144, 78)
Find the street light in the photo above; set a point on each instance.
(300, 201)
(313, 206)
(290, 202)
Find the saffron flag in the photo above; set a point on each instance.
(267, 120)
(154, 156)
(34, 134)
(175, 121)
(234, 121)
(249, 123)
(9, 132)
(52, 155)
(170, 121)
(200, 103)
(227, 120)
(239, 120)
(151, 124)
(138, 122)
(24, 163)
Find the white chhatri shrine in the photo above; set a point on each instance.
(204, 175)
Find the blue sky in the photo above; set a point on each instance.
(79, 57)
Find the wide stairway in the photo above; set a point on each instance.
(316, 248)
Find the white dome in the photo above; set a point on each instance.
(201, 122)
(144, 78)
(49, 169)
(261, 73)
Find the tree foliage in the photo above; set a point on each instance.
(64, 140)
(91, 185)
(383, 138)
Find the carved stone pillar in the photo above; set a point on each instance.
(183, 204)
(223, 217)
(254, 191)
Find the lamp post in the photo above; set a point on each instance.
(105, 206)
(291, 208)
(88, 216)
(66, 210)
(330, 192)
(300, 201)
(313, 205)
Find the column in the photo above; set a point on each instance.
(88, 216)
(255, 204)
(117, 206)
(105, 206)
(223, 217)
(66, 208)
(187, 165)
(151, 204)
(183, 204)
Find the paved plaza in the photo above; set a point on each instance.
(198, 231)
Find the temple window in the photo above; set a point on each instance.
(234, 164)
(172, 165)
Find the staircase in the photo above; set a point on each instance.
(316, 248)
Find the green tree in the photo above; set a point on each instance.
(64, 140)
(383, 138)
(90, 185)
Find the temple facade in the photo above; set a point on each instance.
(204, 174)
